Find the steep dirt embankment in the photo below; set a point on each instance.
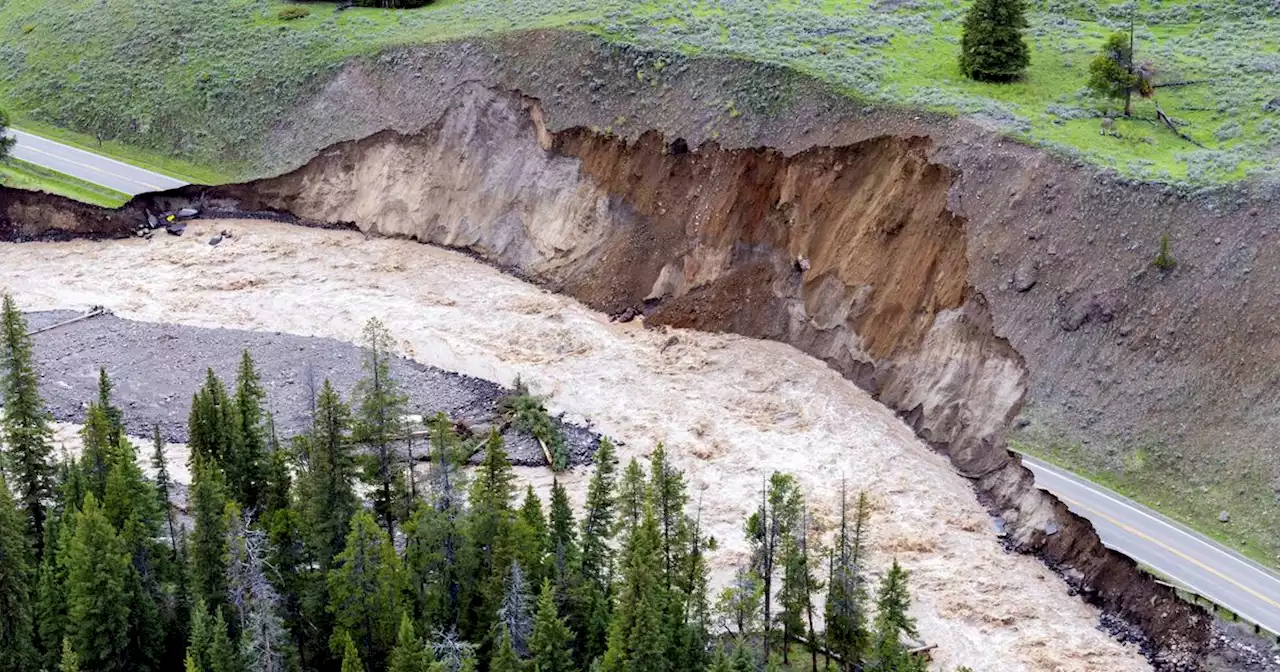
(849, 253)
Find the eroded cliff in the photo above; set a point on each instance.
(851, 253)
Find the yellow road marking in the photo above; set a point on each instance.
(85, 165)
(1174, 551)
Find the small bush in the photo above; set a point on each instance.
(528, 414)
(26, 29)
(1165, 261)
(293, 12)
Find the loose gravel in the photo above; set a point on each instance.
(157, 368)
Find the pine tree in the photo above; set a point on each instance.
(69, 661)
(130, 495)
(327, 501)
(26, 434)
(17, 623)
(531, 536)
(847, 633)
(720, 662)
(98, 619)
(99, 441)
(696, 623)
(365, 589)
(803, 565)
(739, 603)
(164, 485)
(214, 428)
(669, 500)
(490, 529)
(632, 494)
(784, 506)
(667, 490)
(432, 567)
(744, 660)
(590, 605)
(250, 459)
(130, 506)
(552, 642)
(209, 539)
(562, 537)
(51, 597)
(289, 575)
(114, 417)
(209, 643)
(350, 655)
(504, 657)
(1113, 74)
(888, 653)
(766, 530)
(379, 423)
(409, 654)
(279, 486)
(637, 640)
(992, 48)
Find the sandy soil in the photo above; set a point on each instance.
(730, 409)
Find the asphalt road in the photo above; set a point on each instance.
(1184, 556)
(88, 166)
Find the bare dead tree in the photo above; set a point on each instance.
(450, 650)
(264, 640)
(516, 610)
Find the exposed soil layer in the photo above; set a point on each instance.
(156, 368)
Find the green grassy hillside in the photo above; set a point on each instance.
(197, 80)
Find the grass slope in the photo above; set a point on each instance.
(23, 175)
(199, 81)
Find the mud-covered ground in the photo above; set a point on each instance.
(156, 368)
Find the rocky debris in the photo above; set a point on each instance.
(175, 229)
(1086, 309)
(157, 368)
(1236, 649)
(1273, 106)
(626, 315)
(1026, 276)
(1224, 517)
(215, 240)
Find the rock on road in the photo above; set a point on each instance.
(1185, 557)
(88, 166)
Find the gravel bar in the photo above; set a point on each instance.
(157, 368)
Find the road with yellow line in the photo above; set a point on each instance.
(88, 166)
(1183, 556)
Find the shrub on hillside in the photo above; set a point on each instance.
(6, 140)
(293, 12)
(393, 4)
(992, 49)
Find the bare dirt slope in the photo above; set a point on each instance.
(732, 409)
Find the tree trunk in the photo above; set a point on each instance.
(1128, 103)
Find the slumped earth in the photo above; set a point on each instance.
(730, 409)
